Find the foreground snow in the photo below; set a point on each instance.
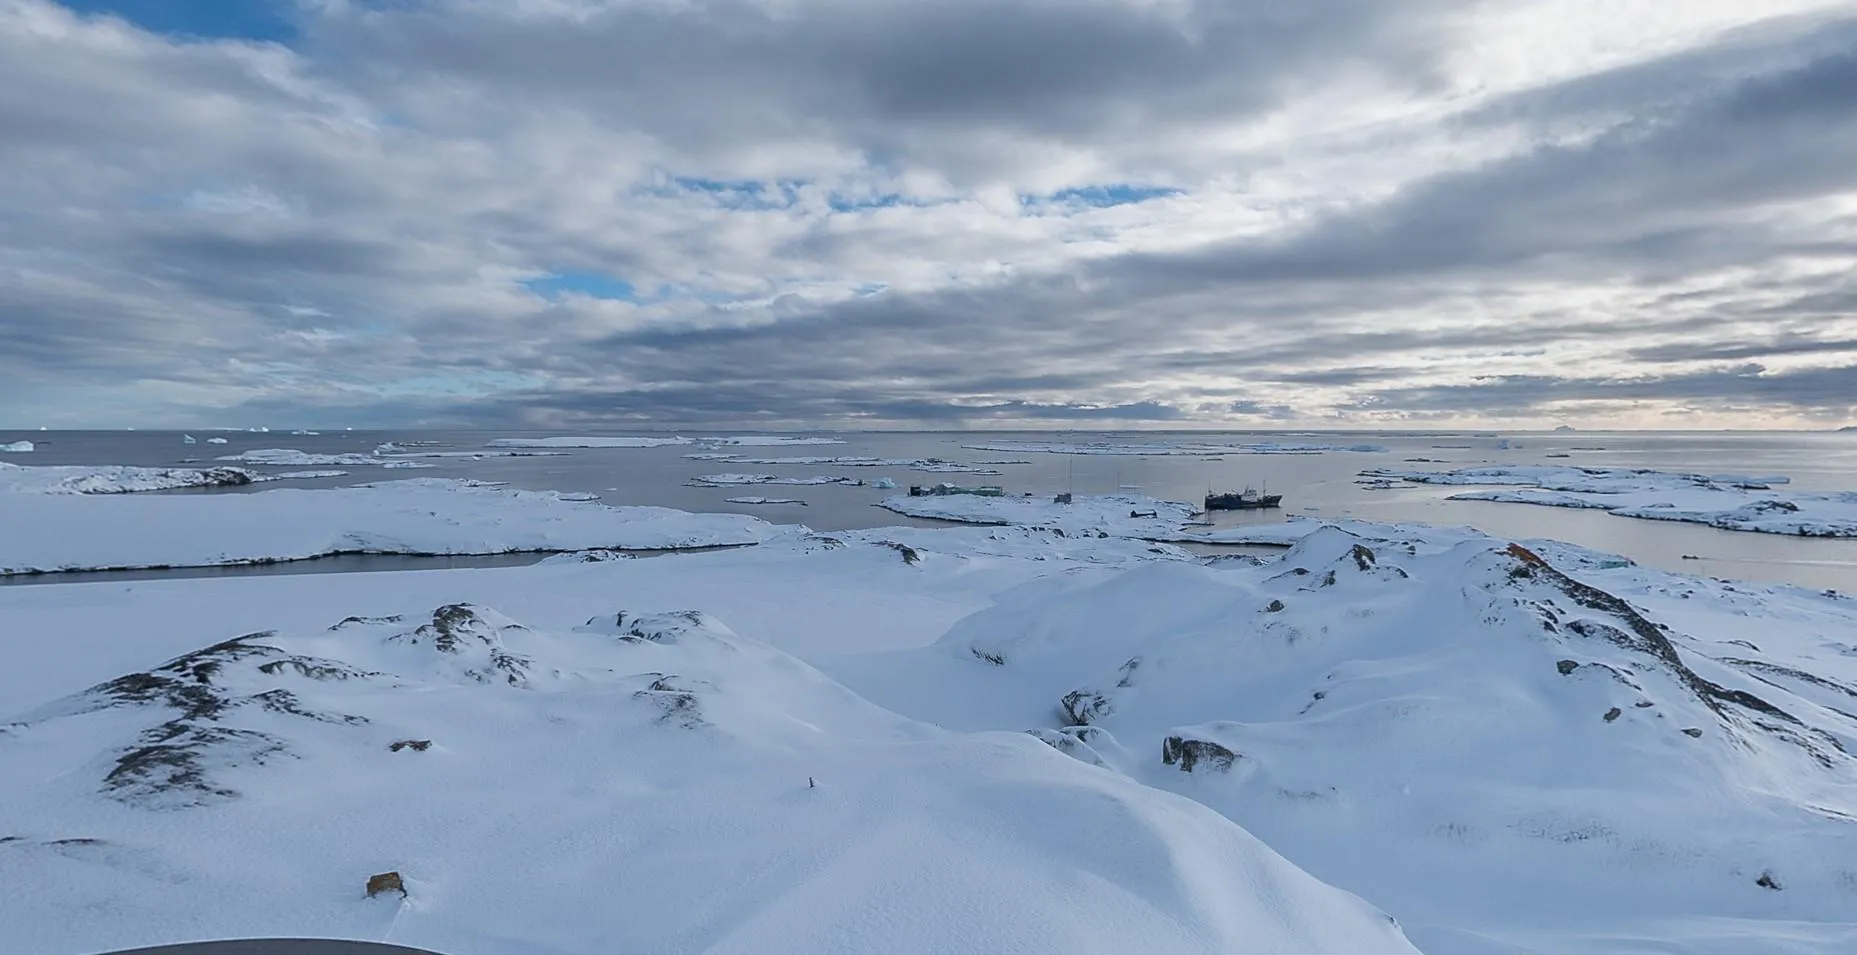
(430, 516)
(1758, 503)
(1526, 748)
(637, 781)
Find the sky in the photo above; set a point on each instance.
(928, 213)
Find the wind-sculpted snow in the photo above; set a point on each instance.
(643, 781)
(430, 516)
(1729, 501)
(1469, 731)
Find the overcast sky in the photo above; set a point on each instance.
(939, 213)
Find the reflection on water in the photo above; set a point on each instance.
(1313, 485)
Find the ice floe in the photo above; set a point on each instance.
(1166, 448)
(420, 516)
(17, 447)
(738, 480)
(1736, 502)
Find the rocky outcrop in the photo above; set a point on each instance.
(1190, 754)
(386, 882)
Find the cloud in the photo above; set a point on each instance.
(965, 213)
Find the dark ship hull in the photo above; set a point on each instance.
(1242, 501)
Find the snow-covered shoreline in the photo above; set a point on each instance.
(1753, 503)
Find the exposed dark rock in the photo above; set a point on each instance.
(996, 659)
(170, 764)
(1613, 713)
(1693, 731)
(1275, 606)
(1189, 753)
(366, 621)
(1128, 672)
(386, 882)
(909, 553)
(1083, 707)
(654, 627)
(1767, 881)
(1363, 558)
(1645, 637)
(678, 702)
(1566, 666)
(416, 745)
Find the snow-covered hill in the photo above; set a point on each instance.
(642, 782)
(975, 739)
(1456, 727)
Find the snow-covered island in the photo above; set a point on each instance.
(975, 739)
(1758, 503)
(54, 522)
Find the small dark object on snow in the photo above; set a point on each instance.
(1275, 606)
(1692, 732)
(1567, 666)
(810, 784)
(1767, 881)
(386, 882)
(1691, 557)
(1144, 513)
(1613, 713)
(1063, 498)
(416, 745)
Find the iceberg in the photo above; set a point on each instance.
(17, 447)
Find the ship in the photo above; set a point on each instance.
(1249, 499)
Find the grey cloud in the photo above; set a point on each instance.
(424, 156)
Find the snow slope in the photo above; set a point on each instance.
(430, 516)
(1485, 738)
(1728, 501)
(1451, 727)
(643, 781)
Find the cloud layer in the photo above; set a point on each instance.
(1340, 213)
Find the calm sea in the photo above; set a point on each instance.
(1312, 484)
